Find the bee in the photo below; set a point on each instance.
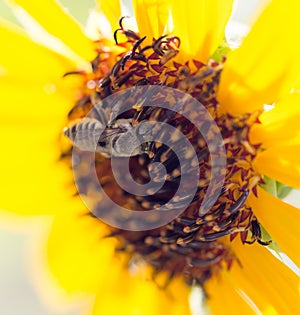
(109, 136)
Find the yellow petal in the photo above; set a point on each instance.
(279, 125)
(281, 220)
(224, 299)
(32, 181)
(270, 284)
(35, 100)
(59, 23)
(79, 257)
(139, 295)
(32, 83)
(280, 162)
(152, 17)
(267, 64)
(32, 63)
(112, 11)
(200, 24)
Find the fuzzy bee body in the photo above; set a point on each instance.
(109, 136)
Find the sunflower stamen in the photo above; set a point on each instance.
(128, 33)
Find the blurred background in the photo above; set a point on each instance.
(18, 293)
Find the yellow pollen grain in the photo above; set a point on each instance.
(176, 172)
(208, 217)
(254, 181)
(137, 107)
(158, 145)
(176, 198)
(180, 241)
(151, 154)
(150, 191)
(186, 229)
(188, 154)
(169, 206)
(175, 136)
(216, 228)
(163, 157)
(248, 147)
(146, 204)
(149, 240)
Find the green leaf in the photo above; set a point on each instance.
(282, 190)
(221, 52)
(275, 188)
(266, 237)
(270, 186)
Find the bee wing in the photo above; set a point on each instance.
(98, 112)
(108, 133)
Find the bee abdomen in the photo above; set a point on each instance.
(85, 133)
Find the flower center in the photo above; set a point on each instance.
(192, 245)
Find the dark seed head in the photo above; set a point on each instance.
(191, 245)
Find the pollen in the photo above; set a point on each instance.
(192, 246)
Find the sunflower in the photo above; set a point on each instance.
(54, 78)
